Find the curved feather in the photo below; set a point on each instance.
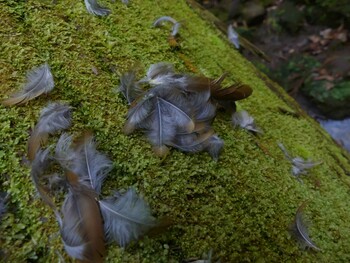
(159, 21)
(39, 81)
(53, 118)
(126, 218)
(300, 230)
(93, 7)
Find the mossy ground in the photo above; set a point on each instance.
(241, 206)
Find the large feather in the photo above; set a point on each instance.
(300, 231)
(126, 218)
(54, 117)
(39, 81)
(167, 119)
(129, 87)
(93, 7)
(82, 225)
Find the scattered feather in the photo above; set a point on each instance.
(129, 87)
(92, 167)
(214, 147)
(176, 25)
(126, 218)
(233, 36)
(245, 121)
(53, 118)
(300, 232)
(94, 8)
(84, 160)
(299, 165)
(82, 225)
(125, 2)
(39, 81)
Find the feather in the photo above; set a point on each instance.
(91, 166)
(54, 117)
(38, 167)
(299, 165)
(233, 36)
(235, 92)
(138, 113)
(175, 29)
(93, 7)
(125, 2)
(300, 232)
(126, 218)
(84, 160)
(82, 225)
(191, 142)
(39, 81)
(159, 21)
(129, 87)
(166, 120)
(245, 121)
(214, 146)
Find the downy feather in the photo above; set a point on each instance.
(192, 142)
(245, 121)
(39, 81)
(93, 7)
(214, 146)
(126, 218)
(300, 231)
(53, 118)
(233, 36)
(82, 225)
(129, 87)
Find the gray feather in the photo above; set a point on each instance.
(129, 87)
(300, 231)
(245, 121)
(39, 81)
(161, 20)
(214, 146)
(233, 36)
(53, 118)
(126, 218)
(94, 8)
(3, 200)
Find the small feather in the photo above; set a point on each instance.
(233, 36)
(214, 146)
(245, 121)
(39, 81)
(94, 8)
(299, 165)
(126, 218)
(129, 87)
(175, 29)
(299, 230)
(82, 226)
(53, 118)
(125, 2)
(159, 21)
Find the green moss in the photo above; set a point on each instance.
(241, 206)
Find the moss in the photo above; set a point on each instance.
(241, 206)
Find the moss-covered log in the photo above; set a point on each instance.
(241, 207)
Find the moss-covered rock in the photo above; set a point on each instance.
(241, 206)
